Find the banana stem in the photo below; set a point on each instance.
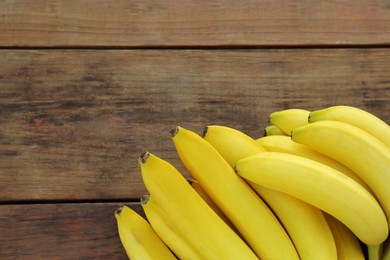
(374, 252)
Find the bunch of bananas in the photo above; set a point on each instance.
(315, 186)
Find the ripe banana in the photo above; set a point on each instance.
(205, 229)
(288, 119)
(360, 151)
(315, 241)
(305, 224)
(286, 145)
(348, 246)
(202, 193)
(138, 238)
(357, 117)
(272, 130)
(321, 186)
(232, 139)
(172, 232)
(250, 215)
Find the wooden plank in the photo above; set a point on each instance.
(201, 23)
(60, 231)
(73, 122)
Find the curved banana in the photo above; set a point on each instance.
(305, 224)
(273, 130)
(315, 240)
(202, 193)
(172, 232)
(174, 195)
(357, 117)
(348, 246)
(219, 136)
(321, 186)
(286, 145)
(360, 151)
(288, 119)
(138, 238)
(250, 215)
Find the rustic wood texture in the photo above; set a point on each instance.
(86, 86)
(73, 122)
(193, 23)
(61, 231)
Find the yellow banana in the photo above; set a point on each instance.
(250, 215)
(286, 145)
(348, 246)
(315, 240)
(321, 186)
(172, 232)
(360, 151)
(202, 193)
(138, 238)
(357, 117)
(220, 136)
(273, 130)
(305, 224)
(288, 119)
(213, 238)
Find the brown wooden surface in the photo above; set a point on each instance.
(61, 231)
(74, 122)
(188, 23)
(79, 101)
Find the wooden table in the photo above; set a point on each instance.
(86, 86)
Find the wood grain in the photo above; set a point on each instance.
(137, 23)
(61, 231)
(73, 122)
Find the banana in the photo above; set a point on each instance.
(288, 119)
(212, 237)
(245, 209)
(357, 117)
(315, 240)
(138, 238)
(305, 224)
(232, 139)
(360, 151)
(202, 193)
(173, 233)
(286, 145)
(322, 187)
(272, 130)
(348, 246)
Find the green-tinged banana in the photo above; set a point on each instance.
(360, 151)
(138, 238)
(202, 193)
(172, 232)
(321, 186)
(347, 244)
(315, 240)
(232, 139)
(357, 117)
(286, 145)
(245, 209)
(212, 237)
(273, 130)
(288, 119)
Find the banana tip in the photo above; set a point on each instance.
(118, 211)
(145, 198)
(143, 157)
(174, 131)
(205, 131)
